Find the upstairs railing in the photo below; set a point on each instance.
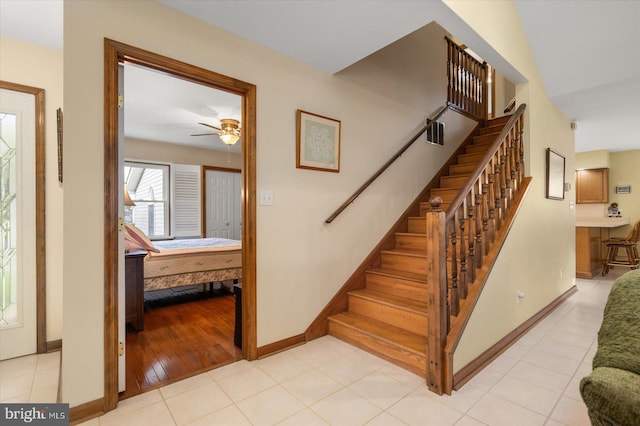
(352, 198)
(467, 89)
(462, 237)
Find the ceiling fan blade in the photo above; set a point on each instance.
(205, 134)
(209, 125)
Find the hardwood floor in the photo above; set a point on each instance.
(184, 334)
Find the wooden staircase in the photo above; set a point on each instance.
(388, 317)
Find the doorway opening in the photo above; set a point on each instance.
(116, 54)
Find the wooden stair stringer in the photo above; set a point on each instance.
(459, 322)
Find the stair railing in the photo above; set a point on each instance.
(463, 237)
(352, 198)
(510, 106)
(467, 89)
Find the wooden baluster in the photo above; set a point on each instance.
(521, 145)
(496, 183)
(485, 218)
(471, 239)
(463, 284)
(495, 223)
(507, 173)
(503, 183)
(515, 185)
(479, 231)
(449, 70)
(454, 302)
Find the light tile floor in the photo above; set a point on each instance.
(32, 378)
(535, 382)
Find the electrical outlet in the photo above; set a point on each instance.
(561, 273)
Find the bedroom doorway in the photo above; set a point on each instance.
(115, 54)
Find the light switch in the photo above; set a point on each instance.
(266, 198)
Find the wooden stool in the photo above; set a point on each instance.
(630, 246)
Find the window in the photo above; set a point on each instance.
(148, 186)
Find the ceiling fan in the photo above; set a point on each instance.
(229, 130)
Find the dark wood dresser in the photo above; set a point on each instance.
(134, 288)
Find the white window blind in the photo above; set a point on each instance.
(187, 201)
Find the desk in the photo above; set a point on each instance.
(134, 288)
(589, 237)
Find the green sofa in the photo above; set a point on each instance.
(612, 391)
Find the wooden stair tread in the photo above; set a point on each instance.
(405, 252)
(420, 279)
(382, 331)
(399, 302)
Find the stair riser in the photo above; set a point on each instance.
(410, 321)
(472, 158)
(397, 355)
(476, 149)
(447, 195)
(395, 286)
(490, 129)
(461, 169)
(485, 138)
(453, 182)
(499, 121)
(411, 242)
(401, 262)
(418, 225)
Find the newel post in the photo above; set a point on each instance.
(437, 309)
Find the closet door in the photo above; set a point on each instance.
(221, 198)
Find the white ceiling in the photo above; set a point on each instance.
(172, 114)
(585, 50)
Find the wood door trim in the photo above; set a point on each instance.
(41, 265)
(203, 186)
(114, 53)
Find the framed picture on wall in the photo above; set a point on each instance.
(317, 142)
(555, 175)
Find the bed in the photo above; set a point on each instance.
(192, 261)
(176, 263)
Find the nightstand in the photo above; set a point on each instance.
(134, 288)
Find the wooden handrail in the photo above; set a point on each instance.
(455, 204)
(386, 165)
(510, 106)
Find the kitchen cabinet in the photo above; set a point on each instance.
(592, 186)
(588, 254)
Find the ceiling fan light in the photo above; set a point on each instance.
(229, 138)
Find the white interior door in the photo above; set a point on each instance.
(221, 195)
(18, 209)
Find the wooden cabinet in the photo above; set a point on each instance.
(592, 186)
(134, 288)
(588, 253)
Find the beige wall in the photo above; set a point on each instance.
(41, 67)
(505, 91)
(624, 171)
(300, 259)
(420, 58)
(539, 254)
(139, 149)
(593, 159)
